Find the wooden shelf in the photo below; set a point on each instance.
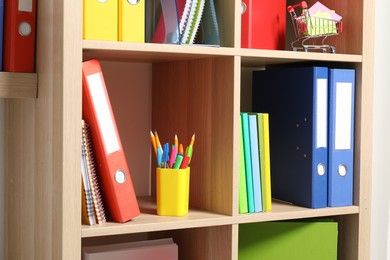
(149, 221)
(18, 85)
(150, 52)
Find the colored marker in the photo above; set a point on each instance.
(179, 159)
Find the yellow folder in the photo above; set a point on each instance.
(131, 20)
(100, 20)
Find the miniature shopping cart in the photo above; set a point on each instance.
(311, 31)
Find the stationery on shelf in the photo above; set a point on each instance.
(89, 162)
(243, 194)
(293, 240)
(248, 163)
(168, 26)
(263, 24)
(131, 20)
(182, 21)
(209, 25)
(175, 158)
(322, 20)
(1, 32)
(113, 172)
(100, 20)
(19, 36)
(88, 216)
(297, 102)
(193, 21)
(157, 249)
(266, 162)
(341, 136)
(255, 160)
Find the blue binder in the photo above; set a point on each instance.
(254, 140)
(341, 136)
(297, 102)
(1, 33)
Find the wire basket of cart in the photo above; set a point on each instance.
(311, 31)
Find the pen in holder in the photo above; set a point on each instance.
(172, 191)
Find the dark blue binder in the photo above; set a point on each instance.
(341, 136)
(297, 102)
(1, 33)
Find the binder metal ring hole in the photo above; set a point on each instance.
(342, 170)
(243, 8)
(133, 2)
(102, 1)
(24, 29)
(321, 169)
(120, 176)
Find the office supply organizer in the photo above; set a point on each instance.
(311, 31)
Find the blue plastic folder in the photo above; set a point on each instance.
(255, 159)
(297, 102)
(341, 136)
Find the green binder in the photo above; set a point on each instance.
(288, 240)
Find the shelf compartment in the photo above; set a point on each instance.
(149, 221)
(18, 85)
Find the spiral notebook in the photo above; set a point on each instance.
(89, 164)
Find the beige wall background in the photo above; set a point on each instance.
(380, 236)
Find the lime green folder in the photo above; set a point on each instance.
(243, 201)
(288, 240)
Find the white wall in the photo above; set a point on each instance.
(380, 234)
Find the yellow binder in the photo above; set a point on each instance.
(131, 20)
(100, 20)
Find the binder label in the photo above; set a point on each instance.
(25, 5)
(322, 113)
(343, 115)
(103, 113)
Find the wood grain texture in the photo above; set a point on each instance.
(18, 85)
(44, 144)
(197, 97)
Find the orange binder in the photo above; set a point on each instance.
(114, 175)
(19, 35)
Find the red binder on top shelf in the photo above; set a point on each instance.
(19, 35)
(117, 187)
(263, 24)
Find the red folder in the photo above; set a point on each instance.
(117, 187)
(19, 35)
(263, 24)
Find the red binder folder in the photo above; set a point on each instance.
(263, 24)
(19, 35)
(117, 187)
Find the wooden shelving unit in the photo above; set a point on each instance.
(157, 86)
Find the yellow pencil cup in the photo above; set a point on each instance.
(172, 191)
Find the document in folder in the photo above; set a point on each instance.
(118, 191)
(131, 23)
(341, 136)
(19, 36)
(296, 100)
(100, 20)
